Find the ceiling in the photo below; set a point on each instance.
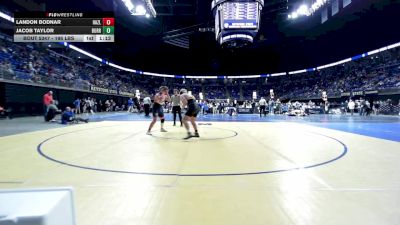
(177, 41)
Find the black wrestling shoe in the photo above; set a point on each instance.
(196, 135)
(189, 135)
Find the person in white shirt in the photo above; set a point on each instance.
(176, 106)
(90, 105)
(351, 106)
(263, 105)
(146, 105)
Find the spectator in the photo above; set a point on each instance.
(77, 104)
(351, 105)
(52, 111)
(130, 105)
(147, 103)
(47, 101)
(69, 117)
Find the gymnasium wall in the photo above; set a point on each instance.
(25, 99)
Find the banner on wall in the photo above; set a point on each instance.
(99, 89)
(359, 93)
(374, 92)
(110, 91)
(114, 92)
(126, 94)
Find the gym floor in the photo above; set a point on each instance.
(243, 169)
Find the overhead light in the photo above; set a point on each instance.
(7, 17)
(302, 10)
(140, 10)
(314, 6)
(128, 5)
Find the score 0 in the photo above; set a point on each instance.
(108, 22)
(108, 26)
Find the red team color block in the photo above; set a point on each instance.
(108, 21)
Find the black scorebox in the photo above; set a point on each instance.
(64, 27)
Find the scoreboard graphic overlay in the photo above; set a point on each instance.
(64, 27)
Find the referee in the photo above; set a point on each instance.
(263, 105)
(176, 106)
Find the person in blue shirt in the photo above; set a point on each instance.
(200, 104)
(68, 117)
(130, 105)
(205, 108)
(77, 104)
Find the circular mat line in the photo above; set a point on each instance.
(234, 134)
(40, 151)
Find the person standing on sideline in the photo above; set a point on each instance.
(279, 106)
(326, 107)
(89, 105)
(215, 108)
(77, 104)
(146, 105)
(367, 108)
(158, 110)
(263, 105)
(362, 107)
(176, 106)
(351, 106)
(95, 109)
(107, 105)
(271, 105)
(376, 106)
(47, 101)
(130, 105)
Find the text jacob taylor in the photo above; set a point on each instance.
(34, 31)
